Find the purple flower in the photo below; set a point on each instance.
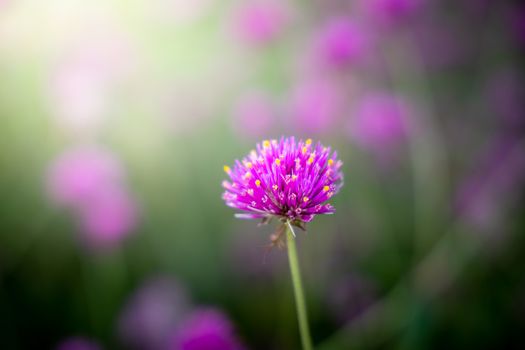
(260, 22)
(78, 175)
(315, 105)
(285, 179)
(206, 329)
(81, 85)
(108, 218)
(78, 343)
(341, 42)
(152, 312)
(379, 123)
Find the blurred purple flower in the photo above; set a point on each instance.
(108, 217)
(255, 115)
(391, 12)
(81, 84)
(78, 343)
(78, 175)
(316, 104)
(151, 314)
(341, 42)
(379, 124)
(206, 329)
(261, 21)
(79, 96)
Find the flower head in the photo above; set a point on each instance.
(285, 179)
(260, 22)
(207, 329)
(379, 123)
(342, 41)
(152, 312)
(79, 174)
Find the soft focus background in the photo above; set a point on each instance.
(117, 116)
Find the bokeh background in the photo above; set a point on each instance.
(117, 116)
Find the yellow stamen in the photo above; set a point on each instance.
(275, 187)
(305, 199)
(249, 165)
(308, 142)
(310, 160)
(330, 162)
(258, 183)
(266, 143)
(278, 161)
(247, 175)
(294, 177)
(303, 150)
(326, 188)
(227, 169)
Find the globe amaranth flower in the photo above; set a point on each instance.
(289, 180)
(206, 329)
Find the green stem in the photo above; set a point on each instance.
(300, 303)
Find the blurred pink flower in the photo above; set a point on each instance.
(151, 314)
(108, 217)
(341, 41)
(78, 343)
(80, 85)
(379, 123)
(261, 21)
(316, 104)
(82, 173)
(79, 96)
(391, 12)
(206, 329)
(254, 115)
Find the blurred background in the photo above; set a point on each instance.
(116, 118)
